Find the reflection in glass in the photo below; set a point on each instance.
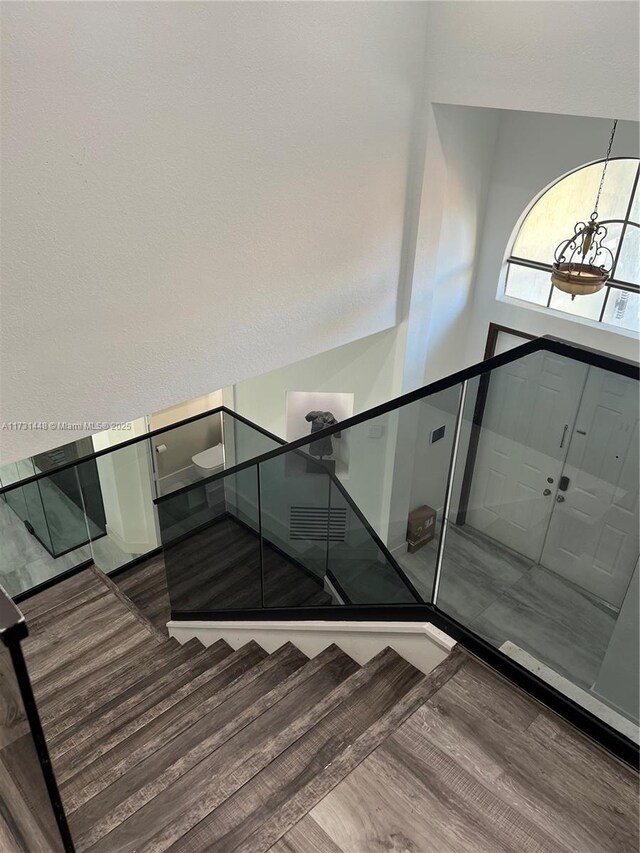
(541, 551)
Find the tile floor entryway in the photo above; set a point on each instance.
(25, 563)
(504, 597)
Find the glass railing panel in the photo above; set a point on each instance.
(294, 500)
(118, 488)
(542, 538)
(211, 544)
(64, 507)
(27, 818)
(187, 453)
(358, 569)
(389, 477)
(43, 533)
(243, 442)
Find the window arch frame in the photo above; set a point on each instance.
(612, 283)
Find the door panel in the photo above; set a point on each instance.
(521, 447)
(594, 531)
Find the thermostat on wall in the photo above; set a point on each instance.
(437, 434)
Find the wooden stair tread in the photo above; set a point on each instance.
(117, 749)
(164, 680)
(157, 785)
(303, 772)
(63, 710)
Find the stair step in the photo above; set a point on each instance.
(224, 789)
(66, 640)
(294, 678)
(63, 710)
(131, 744)
(232, 816)
(124, 634)
(163, 681)
(139, 613)
(241, 747)
(53, 604)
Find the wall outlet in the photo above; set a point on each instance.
(437, 434)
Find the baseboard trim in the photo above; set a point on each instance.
(422, 644)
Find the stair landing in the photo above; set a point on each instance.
(159, 747)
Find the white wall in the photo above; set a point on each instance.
(370, 369)
(366, 368)
(578, 58)
(126, 483)
(468, 138)
(532, 151)
(500, 56)
(194, 193)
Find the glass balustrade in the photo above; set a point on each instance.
(502, 501)
(31, 816)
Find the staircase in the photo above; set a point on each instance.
(158, 746)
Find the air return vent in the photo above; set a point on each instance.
(310, 522)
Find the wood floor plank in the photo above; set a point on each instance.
(156, 628)
(307, 836)
(124, 747)
(66, 641)
(63, 710)
(277, 797)
(129, 704)
(48, 606)
(395, 800)
(231, 758)
(122, 636)
(470, 720)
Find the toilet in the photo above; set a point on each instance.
(209, 461)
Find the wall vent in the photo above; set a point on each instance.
(310, 522)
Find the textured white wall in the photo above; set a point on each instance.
(364, 368)
(194, 193)
(578, 58)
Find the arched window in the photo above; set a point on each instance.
(551, 219)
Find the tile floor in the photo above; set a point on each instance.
(25, 563)
(505, 597)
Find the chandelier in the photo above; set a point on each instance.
(582, 264)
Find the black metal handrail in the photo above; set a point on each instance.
(334, 479)
(577, 352)
(97, 454)
(13, 630)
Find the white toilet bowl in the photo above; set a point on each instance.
(209, 461)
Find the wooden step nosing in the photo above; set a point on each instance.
(164, 677)
(139, 615)
(251, 715)
(67, 776)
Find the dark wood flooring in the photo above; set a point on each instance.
(162, 747)
(218, 568)
(480, 767)
(145, 584)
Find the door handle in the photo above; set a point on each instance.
(563, 485)
(564, 434)
(547, 492)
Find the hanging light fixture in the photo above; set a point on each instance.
(582, 264)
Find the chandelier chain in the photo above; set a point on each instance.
(594, 215)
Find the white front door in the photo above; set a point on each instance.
(528, 418)
(594, 530)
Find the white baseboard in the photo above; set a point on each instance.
(423, 645)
